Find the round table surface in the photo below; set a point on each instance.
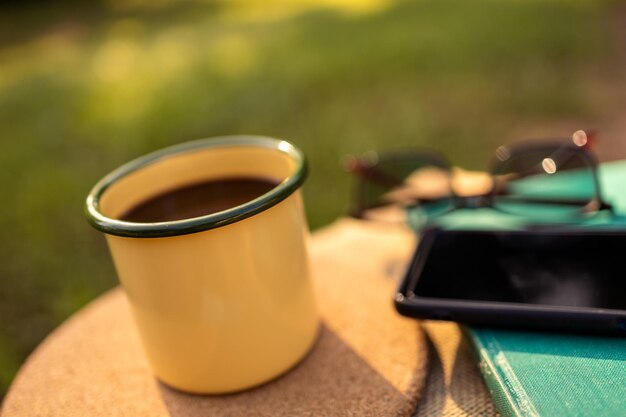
(368, 360)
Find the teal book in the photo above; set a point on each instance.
(547, 374)
(544, 374)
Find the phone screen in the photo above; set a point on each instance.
(554, 269)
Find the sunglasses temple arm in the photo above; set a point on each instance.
(377, 176)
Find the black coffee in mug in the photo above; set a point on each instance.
(198, 200)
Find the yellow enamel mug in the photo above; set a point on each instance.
(223, 302)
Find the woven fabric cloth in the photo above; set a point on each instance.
(368, 361)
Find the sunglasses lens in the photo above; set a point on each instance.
(548, 183)
(390, 184)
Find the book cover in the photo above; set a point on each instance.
(542, 374)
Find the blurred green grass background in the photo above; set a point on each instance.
(84, 89)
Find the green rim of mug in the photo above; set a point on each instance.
(196, 224)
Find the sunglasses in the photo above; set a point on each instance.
(552, 181)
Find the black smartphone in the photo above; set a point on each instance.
(564, 281)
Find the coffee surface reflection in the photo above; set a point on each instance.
(198, 199)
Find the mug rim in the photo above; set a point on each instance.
(124, 228)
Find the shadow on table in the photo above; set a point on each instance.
(433, 401)
(332, 377)
(467, 388)
(454, 385)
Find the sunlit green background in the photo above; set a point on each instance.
(86, 86)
